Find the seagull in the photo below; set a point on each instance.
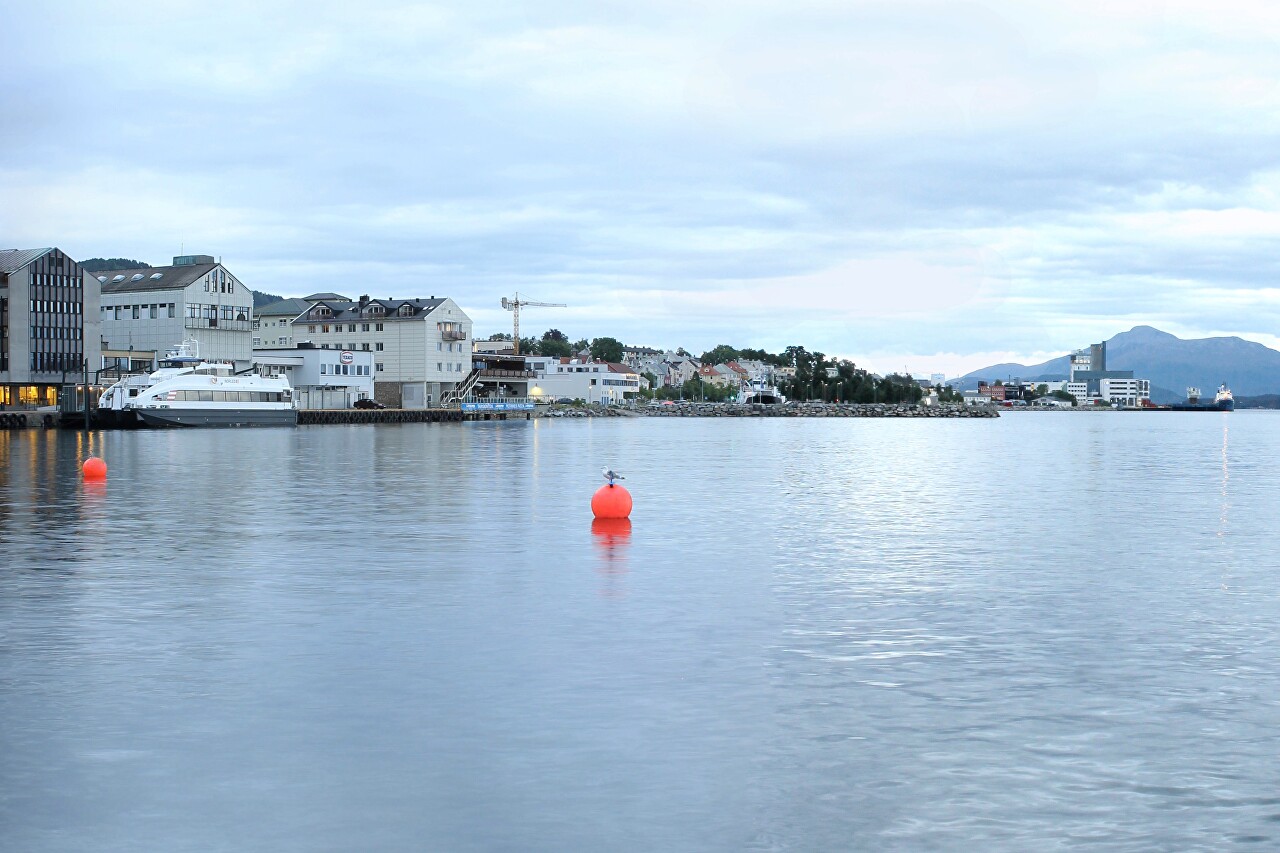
(611, 475)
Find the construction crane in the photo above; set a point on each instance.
(514, 306)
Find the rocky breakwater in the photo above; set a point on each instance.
(816, 410)
(583, 412)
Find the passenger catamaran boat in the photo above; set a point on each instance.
(188, 391)
(760, 392)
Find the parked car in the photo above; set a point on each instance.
(564, 399)
(366, 403)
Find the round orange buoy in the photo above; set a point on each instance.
(611, 501)
(94, 469)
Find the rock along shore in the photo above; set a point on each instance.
(783, 410)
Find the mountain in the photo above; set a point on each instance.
(260, 299)
(1170, 362)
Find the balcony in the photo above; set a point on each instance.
(506, 374)
(454, 335)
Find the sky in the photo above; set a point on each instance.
(920, 185)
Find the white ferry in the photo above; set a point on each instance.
(188, 391)
(177, 359)
(760, 392)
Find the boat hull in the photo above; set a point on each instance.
(224, 417)
(1224, 406)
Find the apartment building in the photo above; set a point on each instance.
(421, 347)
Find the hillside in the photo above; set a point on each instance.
(100, 264)
(1170, 362)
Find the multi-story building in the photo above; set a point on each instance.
(194, 299)
(421, 347)
(49, 328)
(273, 323)
(1091, 382)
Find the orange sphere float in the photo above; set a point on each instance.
(611, 501)
(94, 469)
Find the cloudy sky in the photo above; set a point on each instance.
(920, 184)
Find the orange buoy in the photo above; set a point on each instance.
(611, 501)
(94, 469)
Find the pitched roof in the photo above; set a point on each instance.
(282, 308)
(348, 311)
(12, 260)
(325, 297)
(171, 278)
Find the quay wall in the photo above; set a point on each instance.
(28, 420)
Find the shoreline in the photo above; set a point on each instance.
(778, 410)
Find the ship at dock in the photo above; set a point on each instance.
(1223, 401)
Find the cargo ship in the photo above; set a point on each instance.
(1222, 401)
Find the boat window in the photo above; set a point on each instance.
(205, 396)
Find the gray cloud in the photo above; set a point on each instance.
(873, 179)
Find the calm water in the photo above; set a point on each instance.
(1050, 631)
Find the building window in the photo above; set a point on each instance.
(135, 311)
(377, 327)
(378, 367)
(172, 309)
(439, 367)
(324, 371)
(324, 329)
(364, 327)
(256, 342)
(378, 346)
(439, 347)
(364, 347)
(311, 329)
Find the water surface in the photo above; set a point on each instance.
(1050, 631)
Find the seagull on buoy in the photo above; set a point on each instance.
(611, 475)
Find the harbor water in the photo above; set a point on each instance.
(1042, 632)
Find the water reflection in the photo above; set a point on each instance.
(613, 539)
(278, 633)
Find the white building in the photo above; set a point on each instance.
(194, 299)
(1125, 392)
(578, 379)
(273, 324)
(49, 325)
(421, 347)
(321, 378)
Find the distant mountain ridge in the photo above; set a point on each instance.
(1171, 363)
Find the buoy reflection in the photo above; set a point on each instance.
(613, 538)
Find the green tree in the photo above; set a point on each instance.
(606, 349)
(579, 345)
(720, 355)
(1065, 397)
(555, 335)
(554, 348)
